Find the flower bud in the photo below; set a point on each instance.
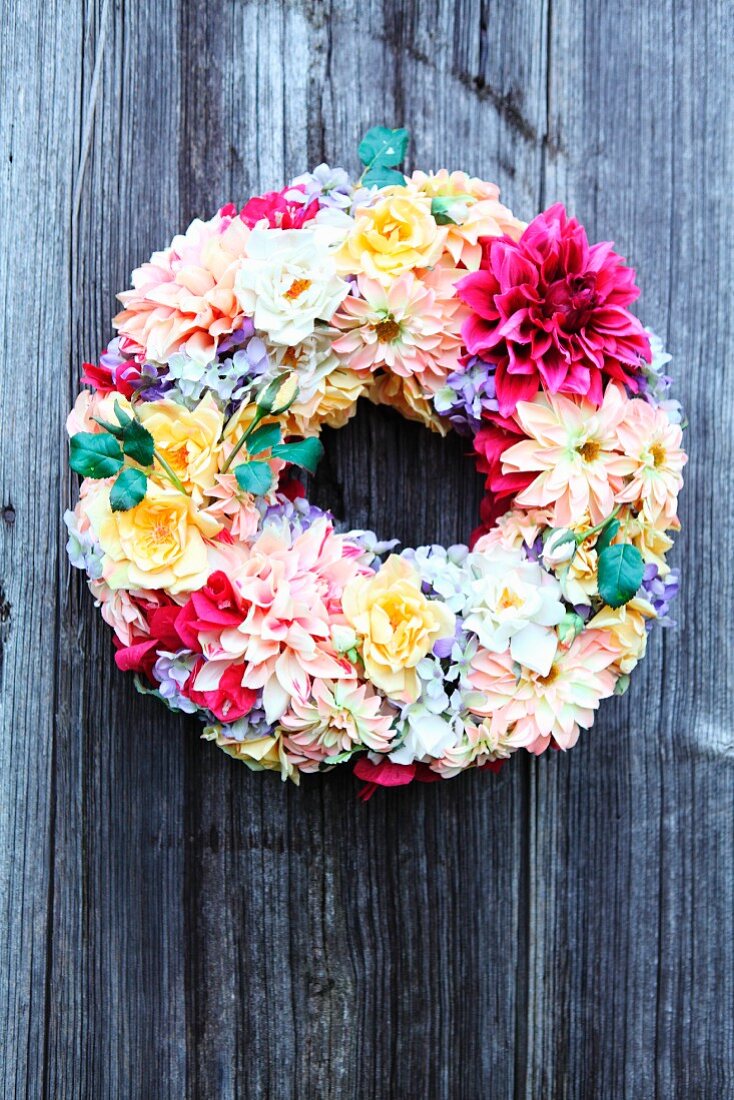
(559, 547)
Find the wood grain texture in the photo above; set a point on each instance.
(172, 925)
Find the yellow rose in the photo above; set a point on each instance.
(260, 753)
(188, 441)
(160, 543)
(397, 626)
(406, 395)
(626, 624)
(395, 235)
(333, 404)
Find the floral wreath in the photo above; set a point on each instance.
(301, 645)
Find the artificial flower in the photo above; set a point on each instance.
(395, 235)
(550, 309)
(340, 715)
(286, 281)
(396, 624)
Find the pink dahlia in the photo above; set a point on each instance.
(550, 310)
(183, 298)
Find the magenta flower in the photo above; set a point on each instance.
(550, 310)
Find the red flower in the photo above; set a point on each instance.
(386, 774)
(229, 701)
(550, 310)
(278, 211)
(214, 606)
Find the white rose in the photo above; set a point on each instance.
(286, 281)
(426, 734)
(514, 604)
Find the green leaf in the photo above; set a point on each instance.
(621, 569)
(122, 417)
(305, 453)
(383, 177)
(383, 148)
(138, 443)
(606, 535)
(94, 455)
(128, 490)
(254, 477)
(263, 439)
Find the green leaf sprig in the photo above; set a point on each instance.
(103, 454)
(255, 476)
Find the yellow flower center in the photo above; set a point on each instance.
(387, 330)
(297, 288)
(550, 678)
(509, 599)
(590, 450)
(658, 454)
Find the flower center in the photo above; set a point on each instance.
(658, 454)
(296, 289)
(590, 450)
(575, 298)
(387, 330)
(550, 678)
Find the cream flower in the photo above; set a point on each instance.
(482, 743)
(187, 440)
(411, 327)
(572, 446)
(555, 705)
(518, 527)
(655, 460)
(395, 235)
(408, 397)
(160, 543)
(287, 281)
(265, 753)
(340, 715)
(396, 624)
(513, 604)
(479, 215)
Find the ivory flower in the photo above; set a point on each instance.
(286, 281)
(572, 445)
(512, 604)
(396, 624)
(625, 627)
(395, 235)
(187, 440)
(160, 543)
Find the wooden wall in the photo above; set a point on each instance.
(172, 925)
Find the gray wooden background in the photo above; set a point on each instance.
(174, 926)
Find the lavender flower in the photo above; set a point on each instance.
(467, 395)
(250, 728)
(330, 186)
(655, 383)
(172, 670)
(84, 552)
(660, 591)
(442, 572)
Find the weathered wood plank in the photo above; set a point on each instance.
(175, 926)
